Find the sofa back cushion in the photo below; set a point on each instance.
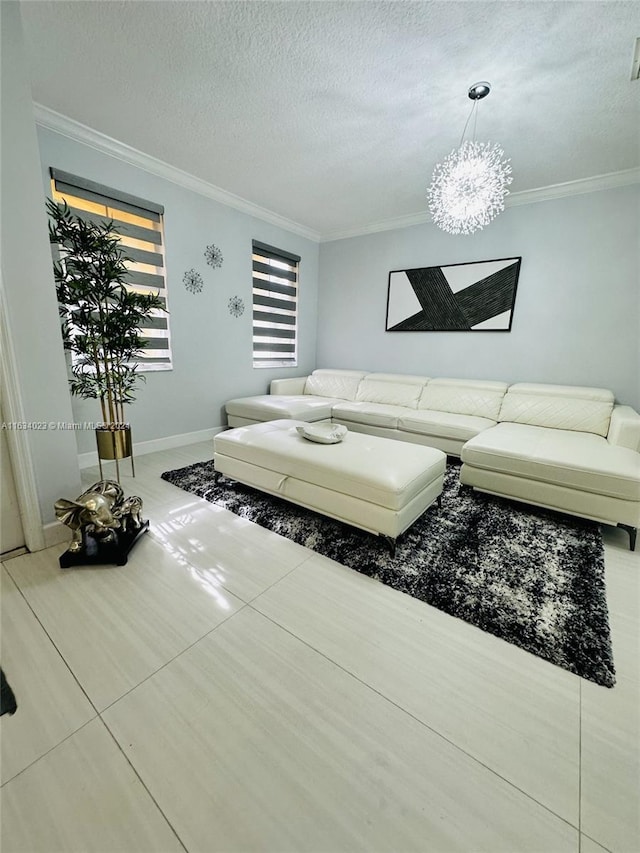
(342, 384)
(394, 389)
(558, 407)
(478, 397)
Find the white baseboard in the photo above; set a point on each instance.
(55, 533)
(141, 448)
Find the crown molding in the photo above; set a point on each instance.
(59, 123)
(72, 129)
(609, 181)
(422, 218)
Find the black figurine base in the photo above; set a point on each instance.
(96, 552)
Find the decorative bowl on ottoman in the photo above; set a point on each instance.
(323, 433)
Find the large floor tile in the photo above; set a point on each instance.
(116, 625)
(611, 765)
(588, 845)
(512, 711)
(243, 557)
(252, 741)
(83, 797)
(51, 705)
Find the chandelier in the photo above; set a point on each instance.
(468, 189)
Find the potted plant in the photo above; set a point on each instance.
(100, 320)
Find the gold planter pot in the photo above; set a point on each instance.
(114, 444)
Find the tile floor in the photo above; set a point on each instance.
(230, 691)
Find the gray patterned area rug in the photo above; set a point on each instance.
(531, 577)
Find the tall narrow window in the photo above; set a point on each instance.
(275, 307)
(139, 223)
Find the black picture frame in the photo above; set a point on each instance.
(476, 296)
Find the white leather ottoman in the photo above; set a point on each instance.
(377, 484)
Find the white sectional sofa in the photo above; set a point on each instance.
(566, 448)
(441, 413)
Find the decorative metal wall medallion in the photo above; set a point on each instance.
(213, 256)
(236, 306)
(193, 281)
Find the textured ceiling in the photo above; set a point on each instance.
(333, 114)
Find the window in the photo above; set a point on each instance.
(140, 225)
(275, 307)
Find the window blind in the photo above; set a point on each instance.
(275, 306)
(140, 226)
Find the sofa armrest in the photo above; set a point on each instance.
(624, 429)
(291, 385)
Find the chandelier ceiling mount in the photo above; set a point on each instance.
(479, 90)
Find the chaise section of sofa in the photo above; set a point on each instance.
(565, 448)
(306, 398)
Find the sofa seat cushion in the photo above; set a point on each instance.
(266, 407)
(371, 414)
(577, 460)
(444, 424)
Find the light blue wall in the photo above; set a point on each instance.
(577, 310)
(211, 349)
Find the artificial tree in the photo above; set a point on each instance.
(100, 316)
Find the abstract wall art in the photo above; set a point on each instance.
(471, 297)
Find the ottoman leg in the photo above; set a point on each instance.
(632, 531)
(391, 542)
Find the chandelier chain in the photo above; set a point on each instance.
(474, 106)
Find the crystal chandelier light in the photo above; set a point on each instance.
(468, 189)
